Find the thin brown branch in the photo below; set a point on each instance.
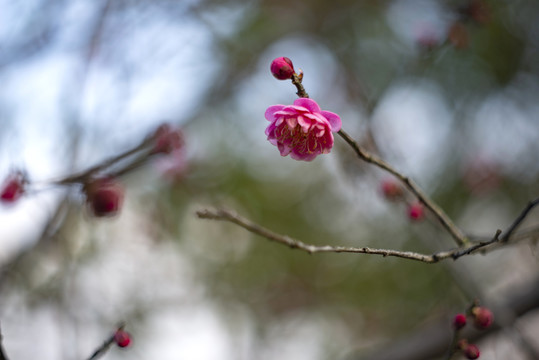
(2, 353)
(453, 346)
(531, 233)
(88, 173)
(225, 215)
(472, 248)
(296, 80)
(444, 219)
(100, 351)
(468, 249)
(519, 220)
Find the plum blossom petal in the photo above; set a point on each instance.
(292, 121)
(309, 104)
(271, 112)
(334, 120)
(285, 112)
(301, 130)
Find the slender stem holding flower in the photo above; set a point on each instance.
(225, 215)
(446, 222)
(296, 80)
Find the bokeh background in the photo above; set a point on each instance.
(446, 91)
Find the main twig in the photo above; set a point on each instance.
(225, 215)
(364, 155)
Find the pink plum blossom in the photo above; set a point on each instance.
(302, 130)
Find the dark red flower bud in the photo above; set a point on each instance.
(122, 338)
(167, 139)
(471, 352)
(391, 189)
(104, 196)
(459, 321)
(416, 211)
(483, 317)
(282, 68)
(13, 188)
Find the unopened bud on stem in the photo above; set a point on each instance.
(282, 68)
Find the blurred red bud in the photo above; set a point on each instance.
(104, 196)
(13, 187)
(416, 211)
(122, 338)
(483, 317)
(459, 321)
(471, 351)
(167, 139)
(391, 189)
